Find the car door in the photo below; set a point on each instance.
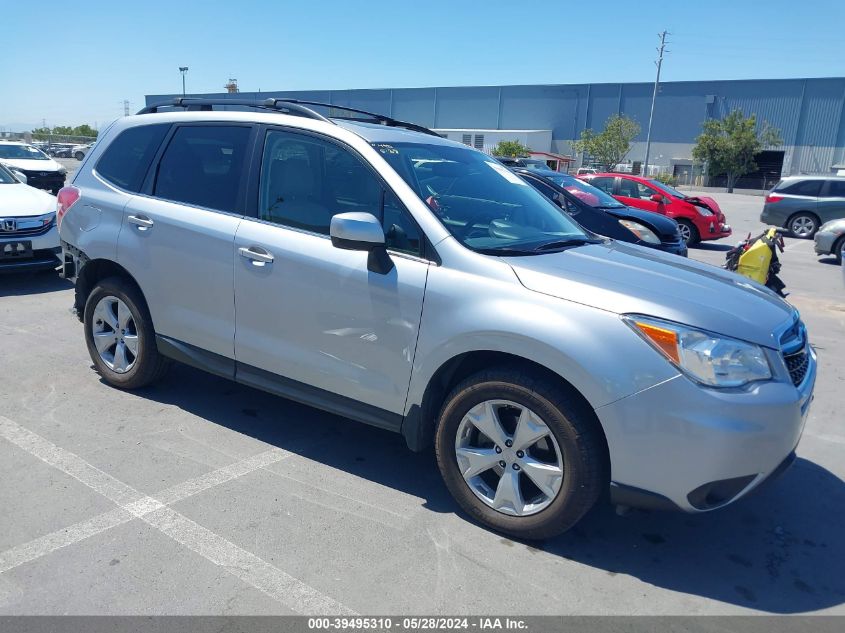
(638, 195)
(177, 239)
(831, 202)
(313, 323)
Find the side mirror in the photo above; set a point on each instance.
(656, 197)
(362, 232)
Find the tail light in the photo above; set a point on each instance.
(773, 197)
(65, 199)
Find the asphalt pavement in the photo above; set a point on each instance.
(200, 496)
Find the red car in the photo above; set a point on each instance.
(699, 218)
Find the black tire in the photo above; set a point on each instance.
(838, 248)
(149, 365)
(810, 220)
(694, 236)
(574, 429)
(79, 156)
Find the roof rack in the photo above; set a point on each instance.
(196, 103)
(373, 116)
(286, 106)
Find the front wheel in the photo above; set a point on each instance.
(120, 336)
(79, 155)
(519, 454)
(688, 232)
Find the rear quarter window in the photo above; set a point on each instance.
(802, 188)
(127, 158)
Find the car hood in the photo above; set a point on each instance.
(32, 165)
(705, 201)
(20, 200)
(629, 279)
(666, 228)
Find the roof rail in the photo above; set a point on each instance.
(286, 106)
(198, 103)
(373, 116)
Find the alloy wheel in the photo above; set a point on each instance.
(115, 334)
(684, 231)
(803, 226)
(509, 457)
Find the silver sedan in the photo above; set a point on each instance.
(830, 239)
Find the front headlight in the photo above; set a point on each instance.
(713, 360)
(642, 232)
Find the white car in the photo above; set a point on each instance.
(79, 151)
(40, 170)
(29, 239)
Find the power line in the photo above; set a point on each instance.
(653, 100)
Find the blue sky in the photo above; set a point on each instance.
(75, 62)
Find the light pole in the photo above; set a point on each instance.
(653, 99)
(183, 70)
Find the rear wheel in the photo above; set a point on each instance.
(688, 232)
(519, 454)
(120, 336)
(79, 155)
(803, 225)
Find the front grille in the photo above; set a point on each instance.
(794, 347)
(797, 364)
(24, 227)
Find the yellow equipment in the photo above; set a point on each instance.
(754, 263)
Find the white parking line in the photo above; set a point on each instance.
(251, 569)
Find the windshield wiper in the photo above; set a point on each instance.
(611, 206)
(504, 251)
(575, 241)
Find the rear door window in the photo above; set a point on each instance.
(803, 188)
(836, 189)
(203, 166)
(605, 184)
(127, 158)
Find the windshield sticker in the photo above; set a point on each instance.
(384, 148)
(507, 173)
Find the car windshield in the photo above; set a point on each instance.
(6, 177)
(590, 195)
(539, 165)
(482, 203)
(667, 189)
(21, 152)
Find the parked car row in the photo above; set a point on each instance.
(40, 170)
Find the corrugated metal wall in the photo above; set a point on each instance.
(808, 112)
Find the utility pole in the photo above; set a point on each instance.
(659, 63)
(183, 70)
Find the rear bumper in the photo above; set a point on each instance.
(680, 445)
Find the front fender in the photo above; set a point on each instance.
(592, 349)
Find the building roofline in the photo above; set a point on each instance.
(543, 85)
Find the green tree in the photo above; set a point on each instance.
(730, 145)
(610, 146)
(510, 148)
(84, 130)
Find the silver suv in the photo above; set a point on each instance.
(375, 270)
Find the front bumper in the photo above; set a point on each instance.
(824, 242)
(695, 448)
(46, 252)
(47, 180)
(714, 230)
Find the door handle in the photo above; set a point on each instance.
(141, 221)
(258, 255)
